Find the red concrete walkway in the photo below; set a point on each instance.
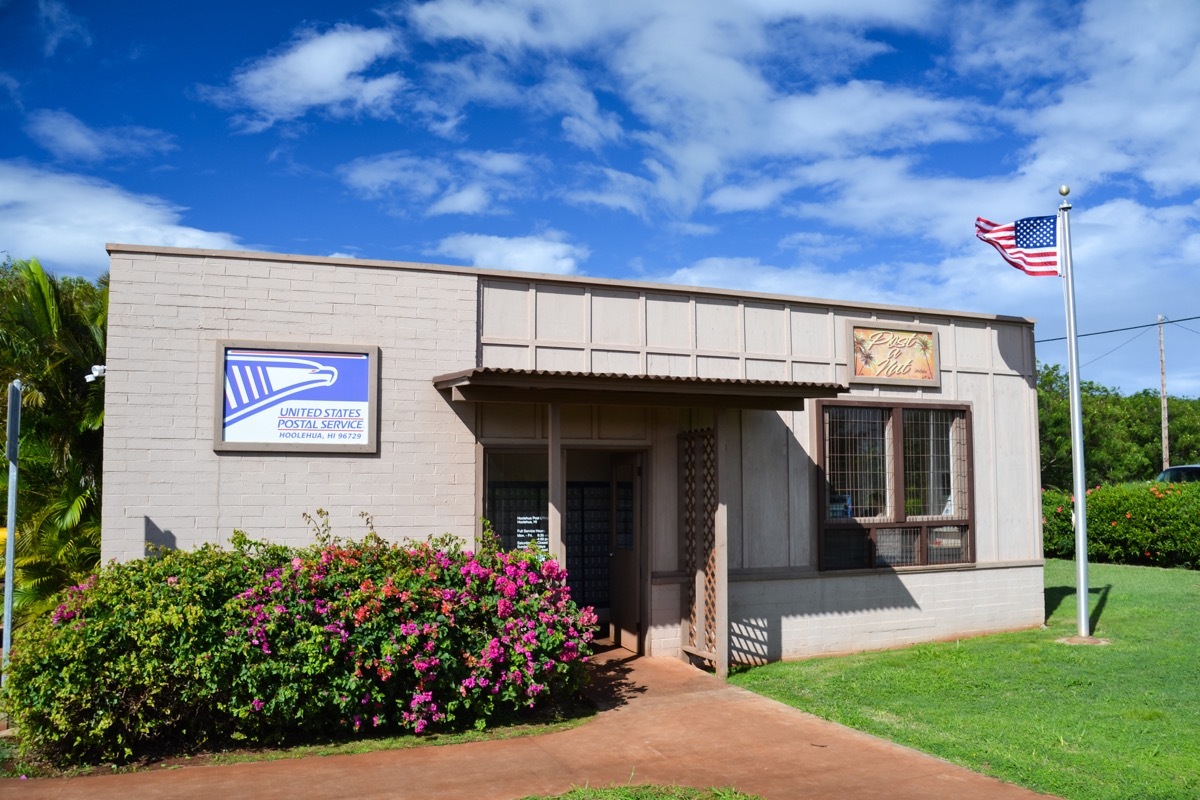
(663, 722)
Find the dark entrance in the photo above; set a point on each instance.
(603, 538)
(602, 525)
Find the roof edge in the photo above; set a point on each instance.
(115, 248)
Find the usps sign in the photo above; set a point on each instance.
(273, 396)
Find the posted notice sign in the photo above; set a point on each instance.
(291, 397)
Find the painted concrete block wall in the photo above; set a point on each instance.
(782, 619)
(664, 636)
(164, 483)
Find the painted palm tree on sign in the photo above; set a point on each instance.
(862, 353)
(925, 345)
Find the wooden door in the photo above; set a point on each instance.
(625, 584)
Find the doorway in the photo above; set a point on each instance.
(603, 537)
(602, 526)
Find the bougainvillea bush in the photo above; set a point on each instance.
(265, 644)
(1156, 524)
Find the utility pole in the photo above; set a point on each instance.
(1162, 371)
(12, 447)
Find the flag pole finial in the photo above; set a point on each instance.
(1064, 190)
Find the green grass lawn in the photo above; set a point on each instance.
(1081, 722)
(647, 792)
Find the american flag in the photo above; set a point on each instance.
(1029, 244)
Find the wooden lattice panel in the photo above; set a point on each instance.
(710, 541)
(698, 488)
(688, 478)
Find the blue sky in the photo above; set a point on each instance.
(826, 148)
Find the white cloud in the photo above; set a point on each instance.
(616, 190)
(1029, 40)
(470, 199)
(701, 83)
(476, 184)
(812, 245)
(584, 122)
(496, 163)
(1112, 94)
(754, 197)
(693, 229)
(59, 25)
(69, 139)
(65, 219)
(317, 71)
(376, 176)
(11, 87)
(749, 273)
(548, 252)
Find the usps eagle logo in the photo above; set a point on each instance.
(257, 380)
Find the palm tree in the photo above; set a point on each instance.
(52, 330)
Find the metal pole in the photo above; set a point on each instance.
(1081, 554)
(10, 550)
(1162, 374)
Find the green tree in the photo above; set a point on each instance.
(1054, 426)
(1122, 435)
(52, 330)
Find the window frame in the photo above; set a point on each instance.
(895, 516)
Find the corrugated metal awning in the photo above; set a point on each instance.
(497, 385)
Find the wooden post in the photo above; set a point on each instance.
(557, 485)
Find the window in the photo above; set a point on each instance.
(518, 497)
(897, 485)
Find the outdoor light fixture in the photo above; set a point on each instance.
(97, 372)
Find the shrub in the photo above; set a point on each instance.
(132, 663)
(265, 644)
(359, 636)
(1155, 524)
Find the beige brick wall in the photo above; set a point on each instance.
(162, 480)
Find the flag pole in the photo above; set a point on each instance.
(1081, 553)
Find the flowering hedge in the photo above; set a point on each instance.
(263, 644)
(1154, 524)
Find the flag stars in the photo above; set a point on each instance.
(1035, 232)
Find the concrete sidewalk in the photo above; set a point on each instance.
(662, 722)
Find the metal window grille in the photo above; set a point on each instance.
(897, 547)
(858, 463)
(935, 464)
(898, 486)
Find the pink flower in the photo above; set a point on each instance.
(551, 570)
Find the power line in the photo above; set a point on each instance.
(1115, 349)
(1192, 330)
(1118, 330)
